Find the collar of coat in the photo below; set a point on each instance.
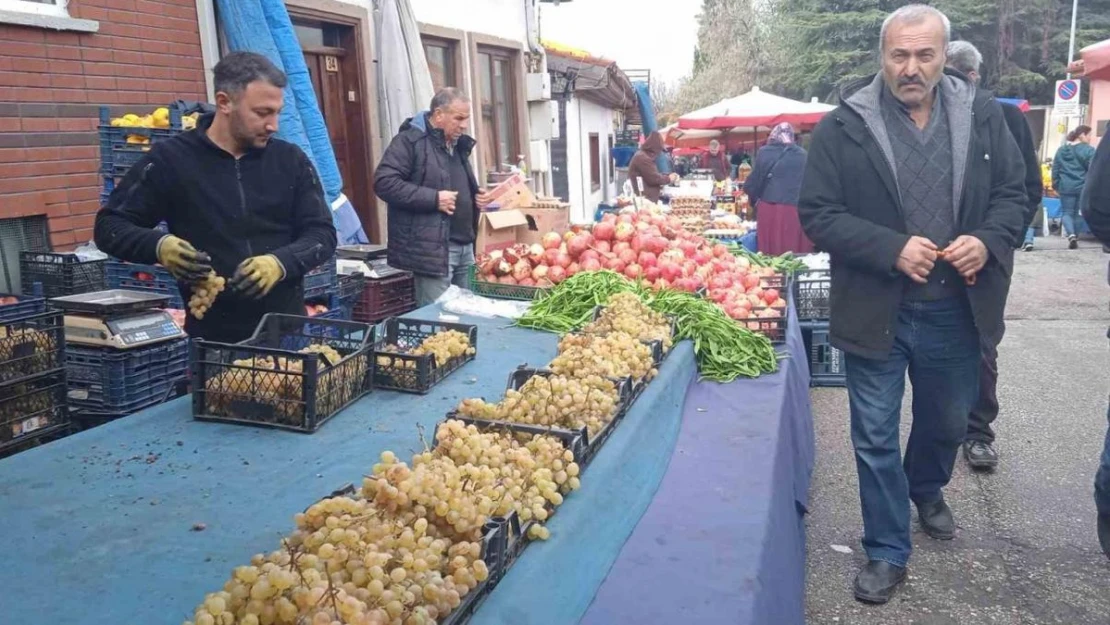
(421, 123)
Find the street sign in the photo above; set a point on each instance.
(1067, 99)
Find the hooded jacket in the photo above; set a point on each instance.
(850, 205)
(643, 168)
(268, 201)
(1069, 168)
(412, 172)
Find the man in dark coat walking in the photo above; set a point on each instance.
(914, 187)
(979, 445)
(434, 199)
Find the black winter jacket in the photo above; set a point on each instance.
(412, 172)
(269, 201)
(777, 174)
(850, 206)
(1034, 186)
(1096, 196)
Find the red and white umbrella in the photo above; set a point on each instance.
(755, 109)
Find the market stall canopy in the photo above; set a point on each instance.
(1094, 61)
(591, 78)
(678, 138)
(1023, 105)
(755, 109)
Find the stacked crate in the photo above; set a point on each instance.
(32, 375)
(811, 296)
(114, 383)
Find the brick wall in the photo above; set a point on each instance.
(146, 54)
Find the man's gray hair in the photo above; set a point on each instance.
(446, 97)
(714, 144)
(964, 56)
(913, 14)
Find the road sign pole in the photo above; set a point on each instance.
(1071, 39)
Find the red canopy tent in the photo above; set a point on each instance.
(753, 110)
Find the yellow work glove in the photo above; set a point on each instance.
(256, 276)
(182, 260)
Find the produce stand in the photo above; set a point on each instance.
(154, 510)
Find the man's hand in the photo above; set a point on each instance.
(967, 254)
(447, 202)
(182, 260)
(674, 178)
(256, 276)
(917, 259)
(483, 200)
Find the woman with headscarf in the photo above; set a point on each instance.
(773, 187)
(643, 169)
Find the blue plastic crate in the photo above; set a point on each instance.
(826, 363)
(137, 277)
(321, 282)
(116, 154)
(26, 306)
(120, 381)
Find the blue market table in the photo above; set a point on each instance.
(698, 477)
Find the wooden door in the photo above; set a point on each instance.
(327, 78)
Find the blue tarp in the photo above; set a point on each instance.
(649, 124)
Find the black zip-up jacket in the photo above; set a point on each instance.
(850, 206)
(269, 201)
(1023, 136)
(1095, 200)
(412, 172)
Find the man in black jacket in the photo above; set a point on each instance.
(434, 199)
(1096, 210)
(979, 445)
(914, 186)
(236, 200)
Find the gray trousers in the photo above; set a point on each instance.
(460, 260)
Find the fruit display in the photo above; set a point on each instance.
(407, 548)
(609, 355)
(26, 407)
(570, 403)
(27, 349)
(625, 312)
(204, 294)
(398, 363)
(158, 118)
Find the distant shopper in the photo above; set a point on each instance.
(716, 161)
(643, 172)
(1096, 209)
(773, 188)
(1069, 174)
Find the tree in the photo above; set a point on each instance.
(664, 99)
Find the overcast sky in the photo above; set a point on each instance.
(638, 34)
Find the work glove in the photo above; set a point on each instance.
(183, 260)
(256, 276)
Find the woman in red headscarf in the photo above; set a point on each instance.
(773, 187)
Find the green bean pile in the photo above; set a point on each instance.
(725, 350)
(570, 305)
(786, 263)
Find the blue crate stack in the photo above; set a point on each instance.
(137, 277)
(32, 375)
(119, 382)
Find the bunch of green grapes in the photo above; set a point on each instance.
(561, 401)
(614, 355)
(446, 346)
(626, 312)
(204, 294)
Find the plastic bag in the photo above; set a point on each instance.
(88, 252)
(463, 302)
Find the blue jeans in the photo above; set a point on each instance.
(1102, 478)
(938, 344)
(459, 260)
(1030, 232)
(1069, 210)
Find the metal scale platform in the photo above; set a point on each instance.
(373, 256)
(118, 319)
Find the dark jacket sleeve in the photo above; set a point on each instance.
(757, 177)
(392, 180)
(1057, 167)
(124, 227)
(316, 237)
(1097, 208)
(826, 219)
(1001, 228)
(647, 169)
(1034, 188)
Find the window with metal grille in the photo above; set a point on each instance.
(17, 235)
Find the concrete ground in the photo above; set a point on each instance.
(1026, 550)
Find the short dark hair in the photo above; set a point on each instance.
(446, 97)
(237, 70)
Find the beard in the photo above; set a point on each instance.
(244, 137)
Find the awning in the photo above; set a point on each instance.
(755, 109)
(1094, 61)
(594, 79)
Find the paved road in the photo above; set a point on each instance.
(1026, 552)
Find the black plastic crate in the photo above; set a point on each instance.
(349, 288)
(811, 294)
(23, 306)
(147, 278)
(32, 408)
(31, 346)
(60, 274)
(123, 381)
(773, 328)
(415, 374)
(382, 298)
(117, 153)
(266, 381)
(321, 281)
(826, 363)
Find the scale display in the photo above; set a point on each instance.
(137, 330)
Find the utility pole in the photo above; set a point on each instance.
(1071, 40)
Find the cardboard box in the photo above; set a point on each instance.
(541, 221)
(500, 229)
(512, 193)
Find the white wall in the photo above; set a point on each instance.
(500, 18)
(583, 118)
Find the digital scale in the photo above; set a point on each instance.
(117, 318)
(372, 256)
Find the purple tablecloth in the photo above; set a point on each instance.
(723, 540)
